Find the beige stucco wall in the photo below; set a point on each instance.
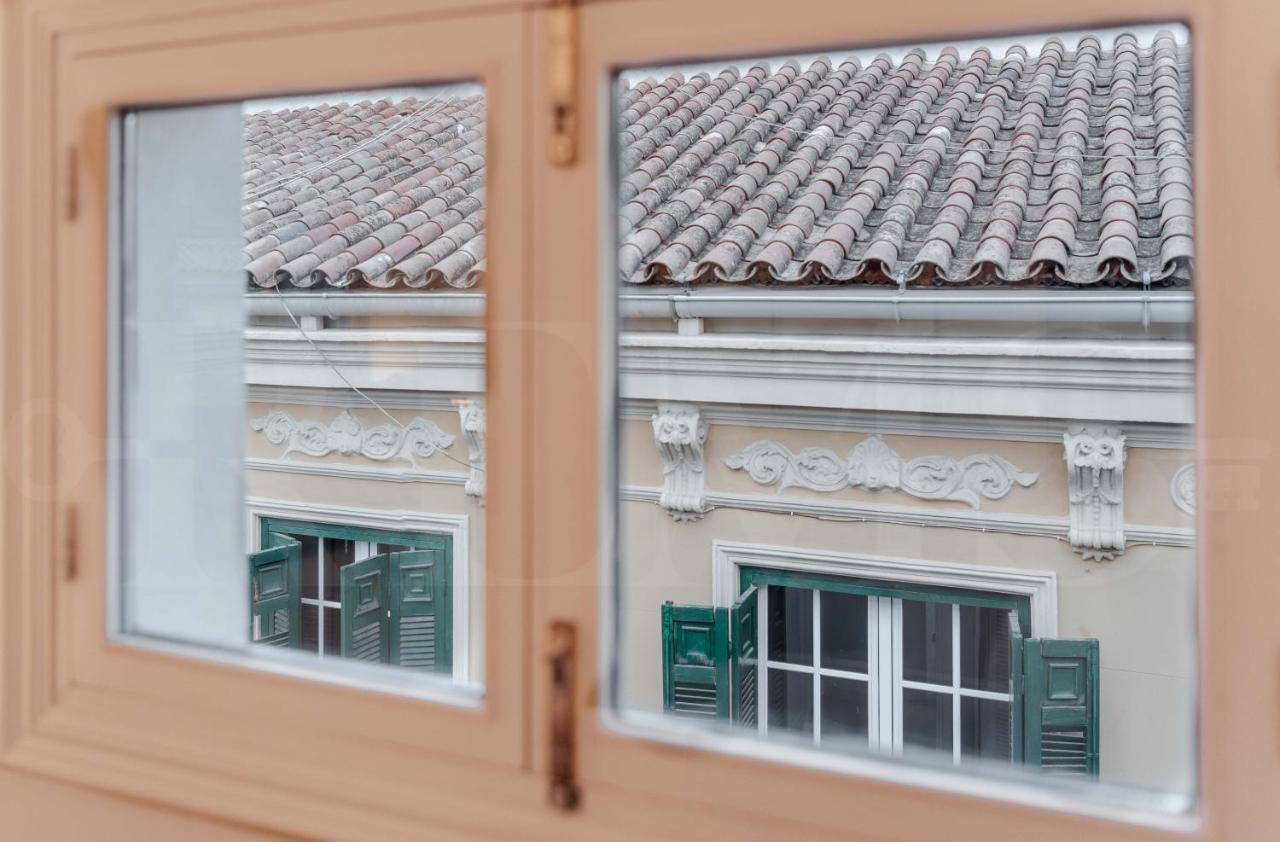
(1141, 606)
(360, 493)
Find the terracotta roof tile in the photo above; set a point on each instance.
(1066, 167)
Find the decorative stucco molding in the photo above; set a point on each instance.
(471, 415)
(1095, 490)
(345, 435)
(874, 465)
(680, 432)
(1182, 488)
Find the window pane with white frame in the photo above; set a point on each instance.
(905, 389)
(299, 345)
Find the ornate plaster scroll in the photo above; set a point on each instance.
(345, 435)
(1182, 488)
(875, 466)
(471, 414)
(680, 432)
(1095, 491)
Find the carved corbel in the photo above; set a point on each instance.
(471, 415)
(1095, 491)
(680, 433)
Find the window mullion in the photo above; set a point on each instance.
(873, 678)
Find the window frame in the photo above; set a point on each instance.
(66, 717)
(884, 608)
(92, 708)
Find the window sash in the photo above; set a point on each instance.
(884, 676)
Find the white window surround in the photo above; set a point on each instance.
(1039, 586)
(399, 520)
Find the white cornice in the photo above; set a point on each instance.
(1140, 434)
(1113, 381)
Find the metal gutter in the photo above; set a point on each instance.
(1147, 307)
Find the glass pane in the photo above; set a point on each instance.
(310, 565)
(790, 625)
(863, 302)
(332, 626)
(338, 553)
(926, 721)
(790, 701)
(984, 649)
(984, 729)
(844, 712)
(926, 642)
(310, 628)
(392, 548)
(300, 347)
(844, 631)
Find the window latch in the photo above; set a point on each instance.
(562, 79)
(564, 792)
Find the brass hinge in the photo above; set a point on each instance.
(564, 779)
(71, 203)
(71, 544)
(562, 79)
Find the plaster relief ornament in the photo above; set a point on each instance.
(680, 432)
(1182, 488)
(471, 415)
(875, 466)
(345, 435)
(1095, 491)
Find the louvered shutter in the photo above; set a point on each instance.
(1060, 705)
(695, 660)
(421, 611)
(275, 585)
(744, 640)
(366, 609)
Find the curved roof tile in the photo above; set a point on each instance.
(1067, 167)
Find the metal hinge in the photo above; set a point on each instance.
(70, 544)
(71, 202)
(564, 790)
(562, 79)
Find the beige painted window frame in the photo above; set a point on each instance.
(239, 744)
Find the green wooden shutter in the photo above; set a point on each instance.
(365, 590)
(695, 660)
(421, 611)
(1060, 705)
(743, 639)
(275, 593)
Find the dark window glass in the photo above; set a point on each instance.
(332, 627)
(310, 628)
(790, 625)
(310, 565)
(984, 729)
(926, 642)
(338, 553)
(844, 631)
(844, 710)
(392, 548)
(790, 701)
(984, 648)
(926, 720)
